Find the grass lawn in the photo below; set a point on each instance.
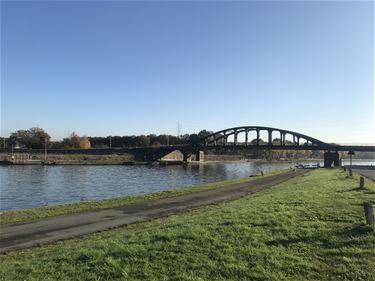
(55, 210)
(309, 228)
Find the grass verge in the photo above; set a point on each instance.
(308, 228)
(55, 210)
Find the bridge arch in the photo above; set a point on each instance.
(274, 137)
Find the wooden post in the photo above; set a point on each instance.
(369, 212)
(361, 182)
(344, 169)
(350, 172)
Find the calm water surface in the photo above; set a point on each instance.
(33, 186)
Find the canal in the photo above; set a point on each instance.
(25, 187)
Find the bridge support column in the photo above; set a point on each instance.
(331, 158)
(185, 156)
(199, 155)
(269, 137)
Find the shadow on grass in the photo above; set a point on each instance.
(346, 237)
(357, 230)
(357, 189)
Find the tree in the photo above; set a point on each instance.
(204, 133)
(75, 141)
(84, 142)
(33, 138)
(143, 141)
(193, 139)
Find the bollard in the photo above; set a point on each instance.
(369, 212)
(350, 172)
(361, 182)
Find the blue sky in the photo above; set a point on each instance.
(121, 68)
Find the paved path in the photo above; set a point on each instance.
(23, 235)
(369, 173)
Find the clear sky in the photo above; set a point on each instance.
(121, 68)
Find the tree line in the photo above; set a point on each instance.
(38, 138)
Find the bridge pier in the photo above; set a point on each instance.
(185, 156)
(199, 155)
(331, 158)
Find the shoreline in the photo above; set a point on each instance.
(25, 215)
(159, 163)
(25, 235)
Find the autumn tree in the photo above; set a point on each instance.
(32, 138)
(75, 141)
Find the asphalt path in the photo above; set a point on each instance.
(27, 234)
(369, 173)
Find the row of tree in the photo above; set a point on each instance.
(37, 138)
(146, 140)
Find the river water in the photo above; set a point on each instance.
(25, 187)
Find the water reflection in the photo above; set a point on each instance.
(33, 186)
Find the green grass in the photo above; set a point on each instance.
(309, 228)
(55, 210)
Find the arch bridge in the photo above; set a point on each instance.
(256, 136)
(259, 137)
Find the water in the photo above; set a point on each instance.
(34, 186)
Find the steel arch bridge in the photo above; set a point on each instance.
(274, 138)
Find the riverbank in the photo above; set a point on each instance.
(308, 228)
(65, 159)
(24, 215)
(28, 234)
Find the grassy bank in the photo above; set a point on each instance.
(309, 228)
(54, 210)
